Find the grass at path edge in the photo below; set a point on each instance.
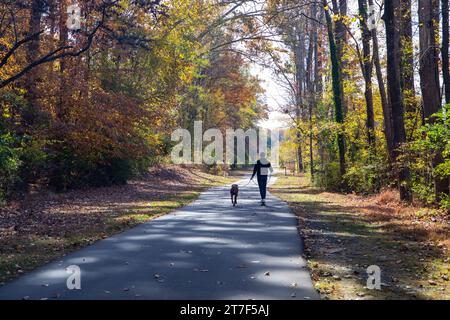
(22, 252)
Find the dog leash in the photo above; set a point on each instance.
(251, 180)
(248, 183)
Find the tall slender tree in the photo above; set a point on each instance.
(444, 51)
(63, 38)
(311, 75)
(382, 90)
(407, 54)
(299, 51)
(337, 86)
(339, 9)
(33, 49)
(367, 67)
(429, 76)
(395, 98)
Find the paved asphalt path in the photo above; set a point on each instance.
(206, 250)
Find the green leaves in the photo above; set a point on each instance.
(435, 141)
(9, 164)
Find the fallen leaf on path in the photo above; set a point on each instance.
(332, 250)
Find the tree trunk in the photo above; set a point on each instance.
(384, 102)
(407, 63)
(63, 37)
(429, 75)
(445, 44)
(310, 70)
(299, 51)
(391, 18)
(337, 86)
(340, 36)
(299, 153)
(318, 87)
(367, 73)
(32, 54)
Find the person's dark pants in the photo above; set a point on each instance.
(262, 183)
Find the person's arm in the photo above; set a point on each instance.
(270, 168)
(255, 169)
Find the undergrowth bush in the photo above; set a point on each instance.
(9, 165)
(420, 153)
(328, 177)
(365, 178)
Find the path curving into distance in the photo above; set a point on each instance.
(206, 250)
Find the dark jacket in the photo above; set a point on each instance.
(258, 166)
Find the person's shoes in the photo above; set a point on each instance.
(263, 203)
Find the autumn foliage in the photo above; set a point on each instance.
(96, 106)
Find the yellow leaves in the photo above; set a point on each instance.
(6, 110)
(347, 20)
(12, 66)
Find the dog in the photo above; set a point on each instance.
(234, 194)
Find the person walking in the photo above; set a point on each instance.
(261, 170)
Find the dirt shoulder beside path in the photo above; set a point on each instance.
(46, 226)
(344, 234)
